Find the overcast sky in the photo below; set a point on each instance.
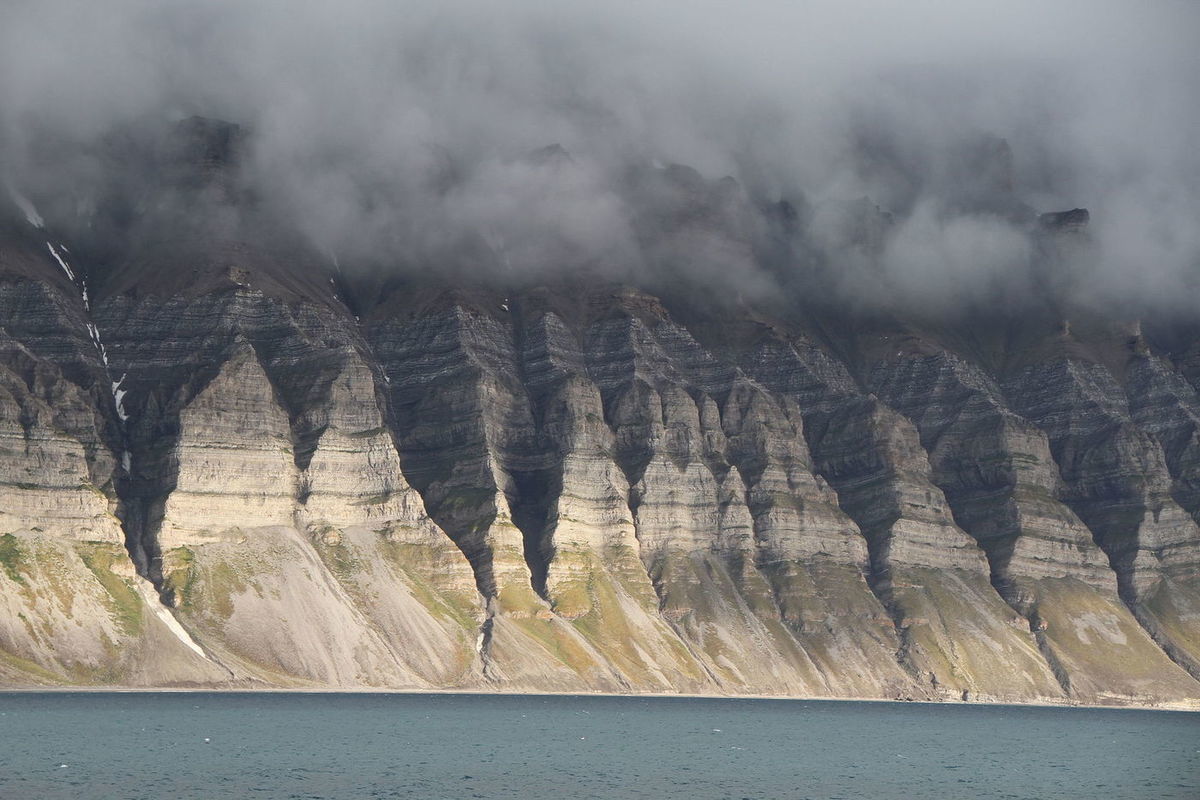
(361, 109)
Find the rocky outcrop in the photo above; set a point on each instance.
(922, 563)
(353, 475)
(233, 461)
(274, 508)
(1165, 405)
(47, 427)
(1003, 486)
(1116, 479)
(581, 536)
(514, 473)
(733, 524)
(1115, 473)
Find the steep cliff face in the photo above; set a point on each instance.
(1004, 488)
(521, 479)
(1118, 482)
(285, 514)
(932, 577)
(48, 426)
(731, 520)
(230, 463)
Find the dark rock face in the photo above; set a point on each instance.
(230, 463)
(873, 457)
(1074, 219)
(1004, 488)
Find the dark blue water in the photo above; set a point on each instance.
(450, 746)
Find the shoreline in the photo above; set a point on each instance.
(1190, 706)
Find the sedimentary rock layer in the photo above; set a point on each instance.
(230, 463)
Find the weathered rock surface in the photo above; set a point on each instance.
(729, 515)
(46, 429)
(1118, 482)
(229, 463)
(1003, 487)
(466, 433)
(956, 632)
(76, 613)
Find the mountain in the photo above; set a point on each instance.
(233, 461)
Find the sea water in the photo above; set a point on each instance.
(233, 745)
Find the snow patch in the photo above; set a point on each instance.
(126, 461)
(146, 590)
(94, 332)
(119, 397)
(61, 263)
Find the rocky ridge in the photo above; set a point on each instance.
(233, 464)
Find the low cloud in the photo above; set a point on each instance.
(413, 133)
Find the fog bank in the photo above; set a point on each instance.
(415, 133)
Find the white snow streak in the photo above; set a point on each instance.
(119, 397)
(95, 334)
(146, 590)
(117, 392)
(61, 263)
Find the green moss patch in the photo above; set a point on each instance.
(36, 672)
(12, 558)
(178, 574)
(200, 587)
(123, 599)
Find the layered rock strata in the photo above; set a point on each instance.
(1003, 486)
(229, 463)
(922, 564)
(728, 511)
(1115, 470)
